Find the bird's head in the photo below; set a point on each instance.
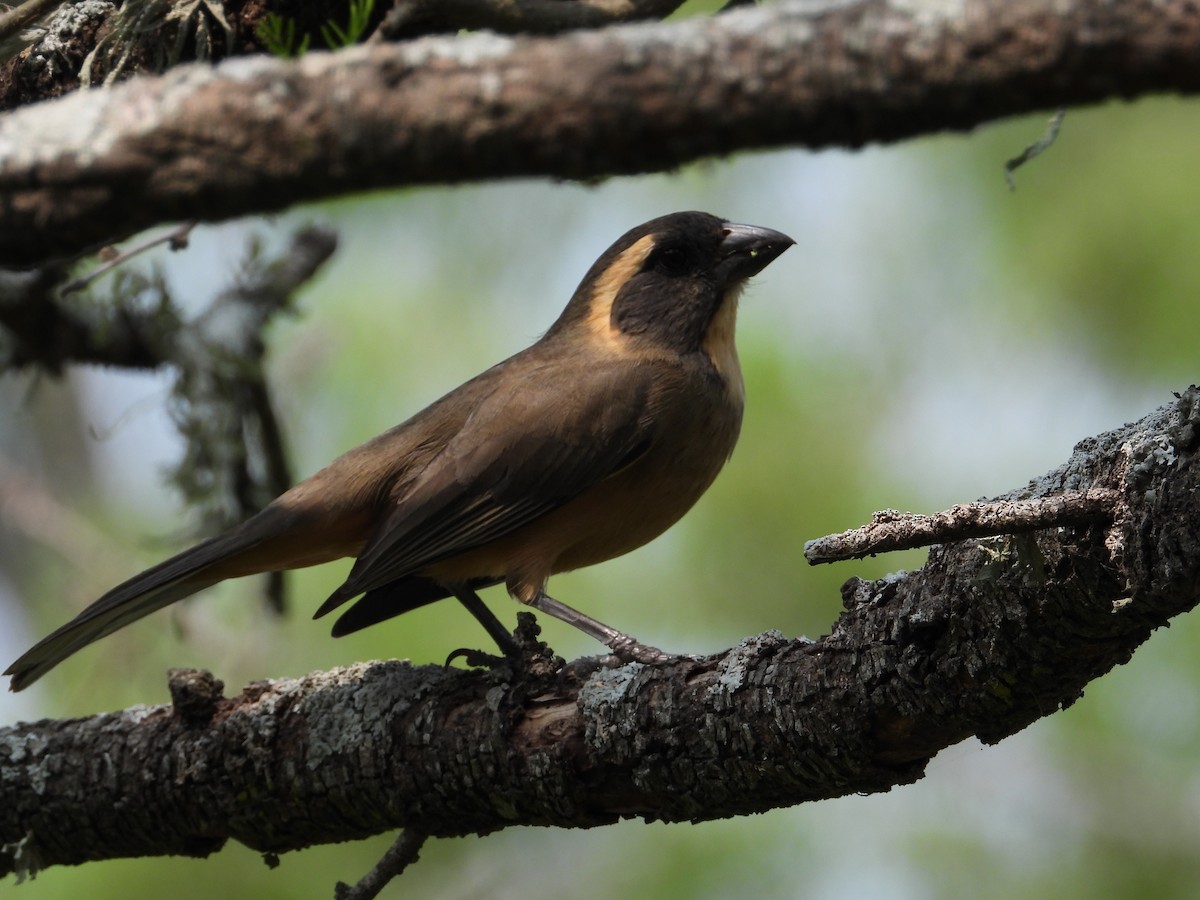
(667, 282)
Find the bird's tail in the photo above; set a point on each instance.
(178, 577)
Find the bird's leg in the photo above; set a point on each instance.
(491, 625)
(624, 647)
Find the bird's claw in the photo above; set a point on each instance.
(476, 659)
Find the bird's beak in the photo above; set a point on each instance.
(748, 249)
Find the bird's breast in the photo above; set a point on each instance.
(639, 503)
(693, 433)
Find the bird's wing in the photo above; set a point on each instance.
(527, 449)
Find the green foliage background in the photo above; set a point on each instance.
(933, 338)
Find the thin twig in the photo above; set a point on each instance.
(177, 238)
(1036, 148)
(399, 856)
(278, 475)
(891, 530)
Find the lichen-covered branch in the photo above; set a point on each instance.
(74, 42)
(987, 637)
(409, 18)
(43, 326)
(236, 461)
(255, 135)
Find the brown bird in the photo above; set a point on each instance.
(582, 447)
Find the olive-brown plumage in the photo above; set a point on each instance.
(580, 448)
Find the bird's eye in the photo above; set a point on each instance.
(671, 260)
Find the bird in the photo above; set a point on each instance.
(582, 447)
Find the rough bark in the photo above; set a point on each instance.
(987, 637)
(48, 47)
(255, 135)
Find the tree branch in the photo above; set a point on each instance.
(890, 530)
(253, 135)
(987, 637)
(409, 18)
(176, 239)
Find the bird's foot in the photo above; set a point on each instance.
(476, 659)
(627, 650)
(524, 652)
(580, 670)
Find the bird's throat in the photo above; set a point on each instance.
(721, 348)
